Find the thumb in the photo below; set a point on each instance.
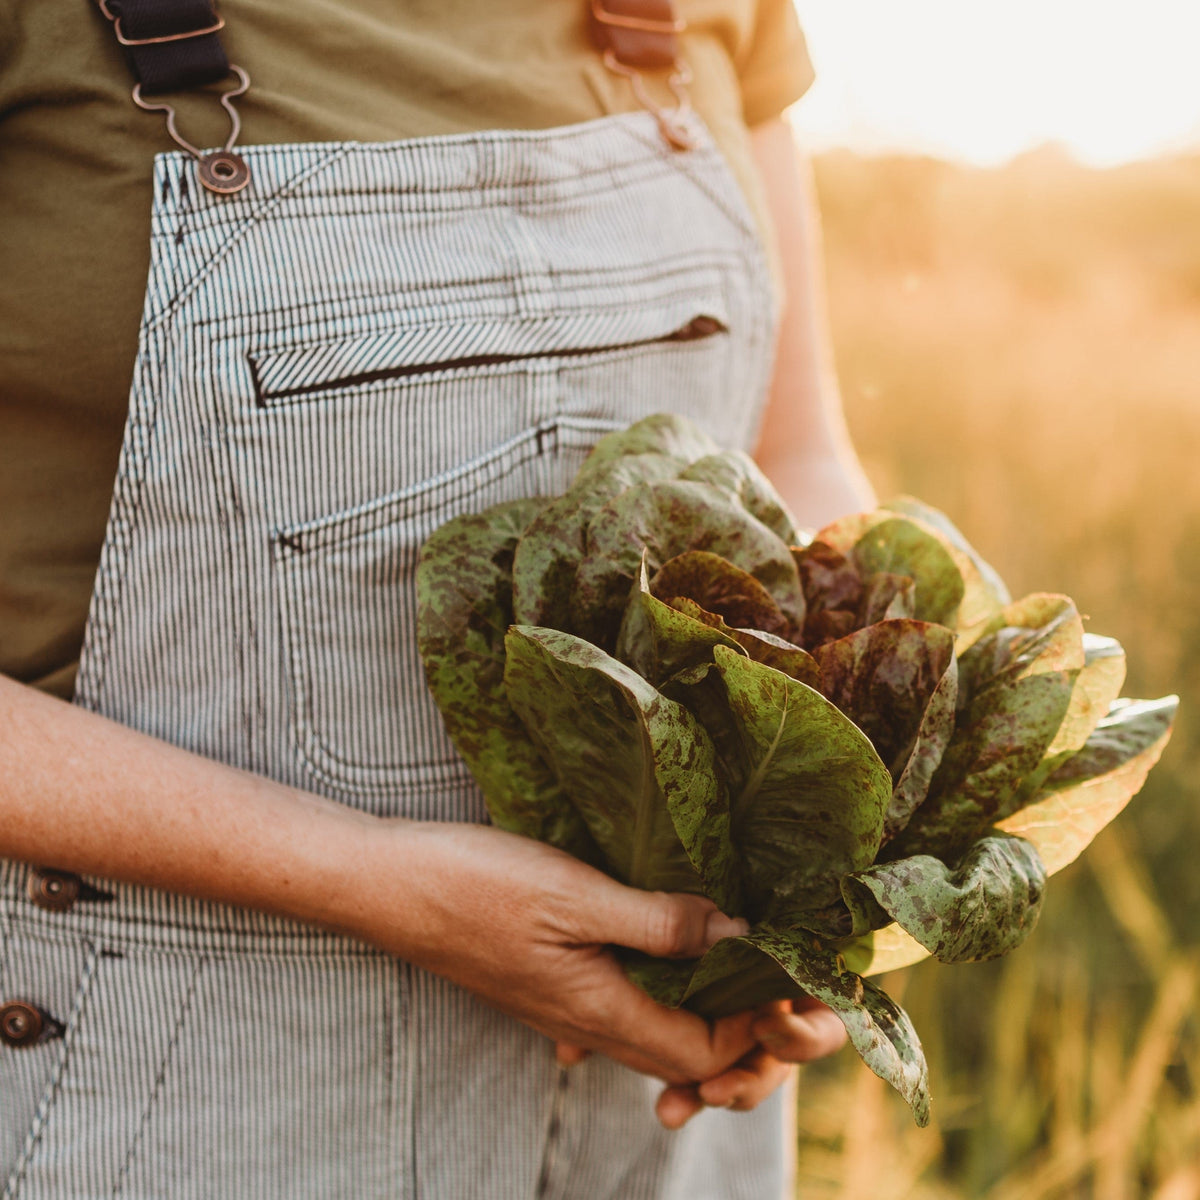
(661, 924)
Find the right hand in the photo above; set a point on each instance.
(526, 927)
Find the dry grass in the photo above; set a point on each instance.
(1022, 348)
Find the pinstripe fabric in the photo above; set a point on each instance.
(366, 342)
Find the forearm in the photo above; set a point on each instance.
(85, 794)
(804, 445)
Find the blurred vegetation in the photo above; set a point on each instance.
(1021, 347)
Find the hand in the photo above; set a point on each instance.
(788, 1032)
(525, 927)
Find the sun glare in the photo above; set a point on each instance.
(982, 82)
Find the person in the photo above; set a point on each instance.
(257, 938)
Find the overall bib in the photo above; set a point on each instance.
(366, 342)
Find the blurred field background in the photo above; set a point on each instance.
(1021, 347)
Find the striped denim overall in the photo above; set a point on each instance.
(367, 341)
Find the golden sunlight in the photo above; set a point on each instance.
(981, 82)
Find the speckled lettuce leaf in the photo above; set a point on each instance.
(808, 792)
(1093, 786)
(659, 641)
(898, 682)
(983, 593)
(548, 555)
(982, 908)
(1097, 685)
(833, 592)
(879, 1029)
(901, 547)
(660, 433)
(719, 587)
(1014, 689)
(665, 519)
(732, 977)
(739, 475)
(986, 591)
(639, 768)
(887, 598)
(765, 648)
(463, 611)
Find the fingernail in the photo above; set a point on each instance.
(720, 926)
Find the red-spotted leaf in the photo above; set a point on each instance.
(738, 475)
(898, 682)
(980, 909)
(659, 641)
(639, 768)
(1093, 786)
(1014, 689)
(663, 520)
(765, 648)
(463, 612)
(719, 587)
(807, 791)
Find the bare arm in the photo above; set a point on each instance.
(519, 923)
(804, 446)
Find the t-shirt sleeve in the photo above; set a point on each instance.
(775, 69)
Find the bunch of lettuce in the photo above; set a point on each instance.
(856, 740)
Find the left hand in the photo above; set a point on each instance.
(788, 1032)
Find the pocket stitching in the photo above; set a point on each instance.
(184, 1012)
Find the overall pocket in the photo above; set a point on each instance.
(362, 722)
(362, 716)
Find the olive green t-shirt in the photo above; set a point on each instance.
(75, 171)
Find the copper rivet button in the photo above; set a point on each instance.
(56, 891)
(224, 172)
(20, 1024)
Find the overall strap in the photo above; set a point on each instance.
(174, 46)
(636, 35)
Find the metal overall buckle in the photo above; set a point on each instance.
(221, 171)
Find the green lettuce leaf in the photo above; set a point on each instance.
(765, 648)
(1014, 689)
(807, 791)
(770, 963)
(879, 1029)
(663, 520)
(898, 682)
(901, 547)
(1097, 685)
(463, 610)
(659, 641)
(983, 594)
(984, 907)
(738, 475)
(1092, 787)
(986, 592)
(552, 547)
(719, 587)
(639, 768)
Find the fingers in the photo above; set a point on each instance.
(661, 924)
(567, 1054)
(675, 1045)
(677, 1105)
(747, 1084)
(789, 1032)
(741, 1088)
(800, 1036)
